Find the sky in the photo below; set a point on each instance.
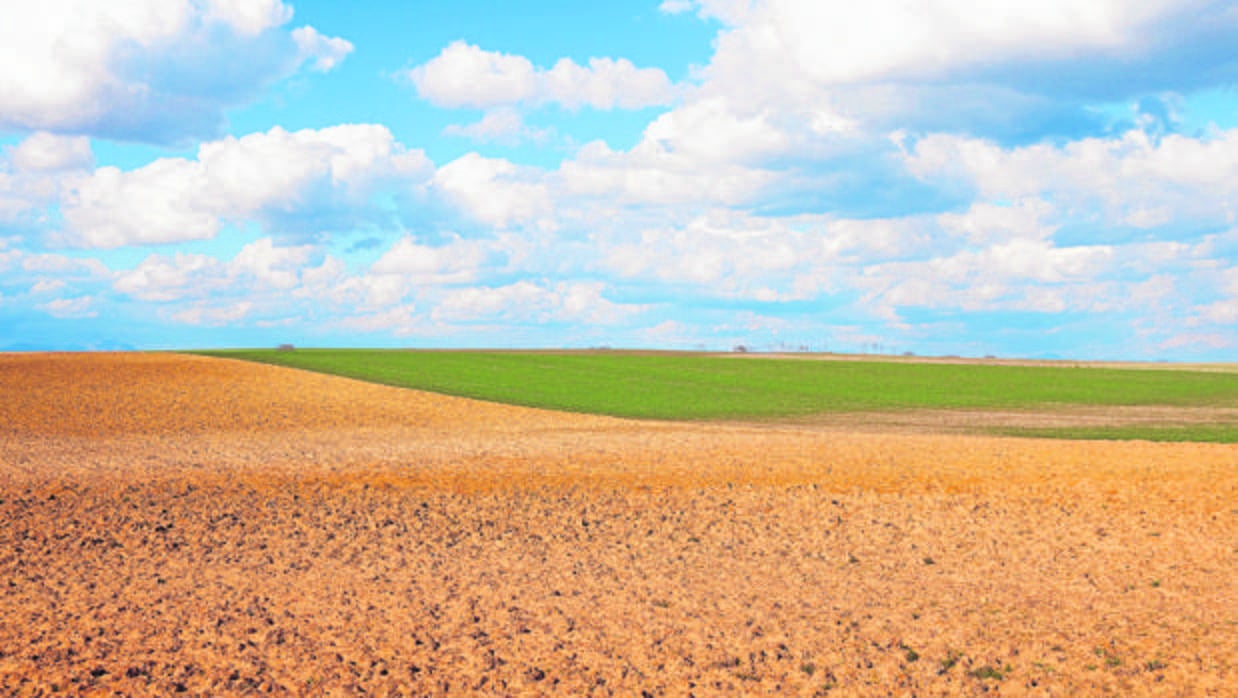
(1048, 178)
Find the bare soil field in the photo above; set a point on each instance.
(174, 524)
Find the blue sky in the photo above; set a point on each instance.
(1056, 178)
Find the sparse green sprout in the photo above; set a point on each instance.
(989, 672)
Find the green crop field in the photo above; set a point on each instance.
(721, 387)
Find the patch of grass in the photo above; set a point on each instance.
(1213, 433)
(989, 672)
(1112, 660)
(695, 386)
(952, 658)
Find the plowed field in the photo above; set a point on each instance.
(200, 526)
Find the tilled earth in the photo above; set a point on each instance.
(176, 524)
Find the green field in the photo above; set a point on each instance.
(711, 387)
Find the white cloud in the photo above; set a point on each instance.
(984, 223)
(47, 152)
(213, 316)
(1009, 70)
(35, 172)
(47, 286)
(330, 285)
(858, 242)
(651, 174)
(325, 51)
(495, 191)
(1017, 274)
(674, 7)
(249, 17)
(258, 268)
(400, 320)
(728, 254)
(135, 69)
(1137, 180)
(502, 125)
(725, 254)
(711, 130)
(1221, 312)
(79, 307)
(236, 180)
(454, 263)
(160, 279)
(826, 43)
(63, 266)
(464, 75)
(270, 266)
(606, 83)
(523, 301)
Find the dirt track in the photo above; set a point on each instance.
(185, 524)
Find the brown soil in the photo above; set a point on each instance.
(979, 421)
(212, 527)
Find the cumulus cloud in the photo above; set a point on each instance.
(464, 75)
(160, 279)
(257, 177)
(653, 174)
(1012, 71)
(47, 152)
(527, 301)
(674, 7)
(494, 191)
(454, 263)
(1137, 181)
(259, 267)
(1020, 274)
(884, 40)
(325, 52)
(503, 125)
(213, 316)
(79, 307)
(724, 254)
(152, 70)
(35, 172)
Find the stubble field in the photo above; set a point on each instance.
(206, 526)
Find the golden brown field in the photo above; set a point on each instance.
(176, 524)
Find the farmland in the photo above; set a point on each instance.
(721, 387)
(208, 526)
